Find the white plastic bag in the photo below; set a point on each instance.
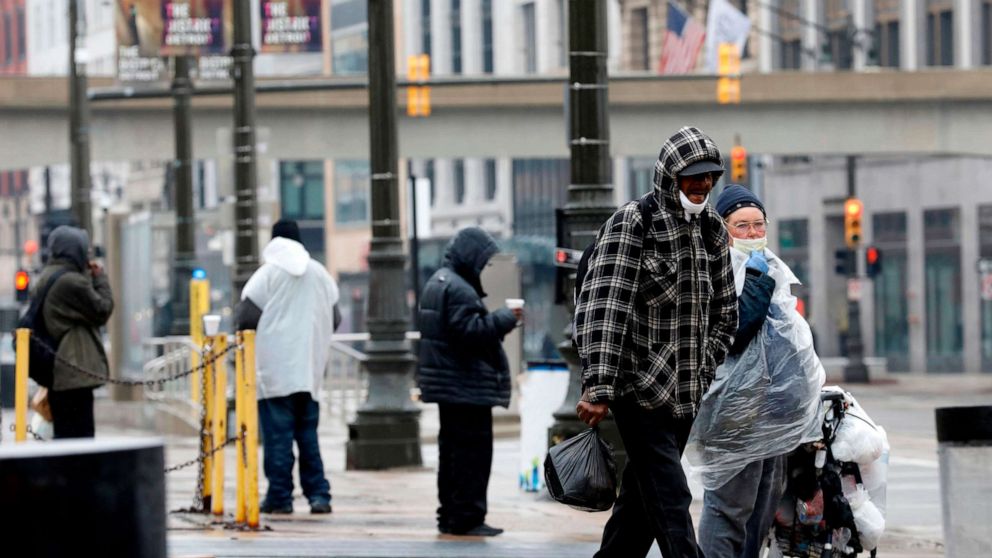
(764, 402)
(874, 476)
(858, 439)
(41, 427)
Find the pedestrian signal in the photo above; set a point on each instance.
(853, 212)
(738, 164)
(565, 257)
(22, 285)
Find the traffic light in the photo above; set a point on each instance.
(728, 87)
(738, 164)
(22, 285)
(845, 262)
(853, 212)
(873, 261)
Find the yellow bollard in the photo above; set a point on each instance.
(239, 414)
(199, 304)
(251, 429)
(220, 421)
(21, 385)
(208, 438)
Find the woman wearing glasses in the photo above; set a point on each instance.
(764, 400)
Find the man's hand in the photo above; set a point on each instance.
(95, 268)
(518, 313)
(592, 413)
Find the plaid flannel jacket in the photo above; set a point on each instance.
(656, 317)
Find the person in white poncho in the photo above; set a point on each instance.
(292, 302)
(764, 401)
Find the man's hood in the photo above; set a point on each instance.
(288, 255)
(468, 253)
(70, 245)
(686, 147)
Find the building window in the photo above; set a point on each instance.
(639, 36)
(458, 170)
(351, 192)
(487, 36)
(8, 39)
(425, 27)
(985, 278)
(563, 34)
(942, 272)
(890, 287)
(456, 36)
(940, 34)
(301, 185)
(490, 179)
(793, 242)
(349, 37)
(22, 49)
(789, 35)
(987, 33)
(886, 48)
(529, 38)
(839, 44)
(640, 176)
(429, 173)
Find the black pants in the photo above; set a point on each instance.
(72, 413)
(465, 444)
(654, 497)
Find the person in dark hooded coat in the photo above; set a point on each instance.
(78, 304)
(464, 370)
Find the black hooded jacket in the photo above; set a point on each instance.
(461, 353)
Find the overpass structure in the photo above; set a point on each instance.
(933, 111)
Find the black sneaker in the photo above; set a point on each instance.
(320, 507)
(277, 510)
(482, 530)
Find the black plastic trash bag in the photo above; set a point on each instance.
(581, 472)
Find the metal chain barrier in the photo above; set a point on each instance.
(159, 382)
(37, 437)
(199, 459)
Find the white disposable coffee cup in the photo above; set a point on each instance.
(514, 303)
(211, 324)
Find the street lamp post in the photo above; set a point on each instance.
(386, 432)
(79, 122)
(184, 255)
(246, 205)
(589, 202)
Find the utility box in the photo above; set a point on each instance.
(964, 446)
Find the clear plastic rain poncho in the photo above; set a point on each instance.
(764, 402)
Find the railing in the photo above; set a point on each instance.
(345, 378)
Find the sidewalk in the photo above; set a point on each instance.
(391, 513)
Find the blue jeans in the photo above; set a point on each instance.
(284, 419)
(737, 516)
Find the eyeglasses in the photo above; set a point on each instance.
(742, 228)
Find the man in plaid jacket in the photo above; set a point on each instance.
(655, 317)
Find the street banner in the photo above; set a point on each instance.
(132, 29)
(291, 25)
(724, 24)
(195, 27)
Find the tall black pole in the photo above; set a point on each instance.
(184, 255)
(79, 125)
(589, 201)
(414, 244)
(246, 208)
(386, 432)
(855, 371)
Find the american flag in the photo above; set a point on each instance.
(683, 39)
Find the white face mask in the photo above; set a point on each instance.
(692, 208)
(748, 245)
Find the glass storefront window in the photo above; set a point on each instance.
(891, 306)
(985, 282)
(942, 267)
(351, 192)
(301, 185)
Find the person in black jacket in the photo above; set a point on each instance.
(737, 515)
(464, 370)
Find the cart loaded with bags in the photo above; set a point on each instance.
(834, 502)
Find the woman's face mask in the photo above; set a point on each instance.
(748, 245)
